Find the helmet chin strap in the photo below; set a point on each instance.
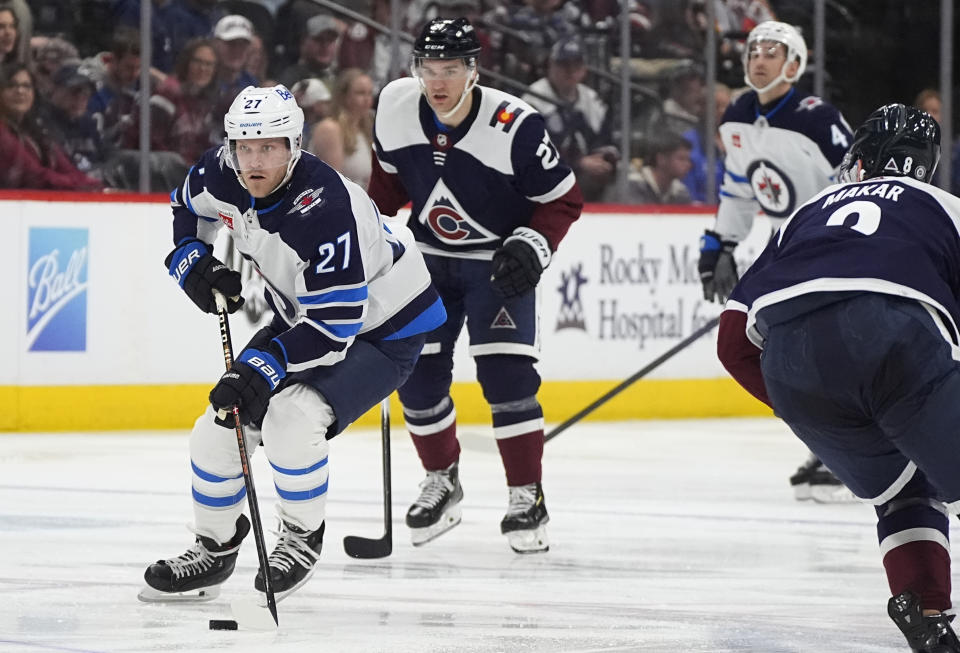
(782, 77)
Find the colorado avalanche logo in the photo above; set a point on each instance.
(449, 221)
(773, 189)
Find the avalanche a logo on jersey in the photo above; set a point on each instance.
(307, 200)
(57, 289)
(773, 189)
(448, 220)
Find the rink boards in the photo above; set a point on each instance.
(98, 336)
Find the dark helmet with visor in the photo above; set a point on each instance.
(447, 39)
(895, 141)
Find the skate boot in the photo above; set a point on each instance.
(197, 574)
(526, 519)
(437, 509)
(931, 634)
(813, 480)
(293, 559)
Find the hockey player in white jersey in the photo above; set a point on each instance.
(491, 202)
(781, 150)
(352, 304)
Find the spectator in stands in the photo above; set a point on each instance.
(929, 100)
(258, 62)
(64, 116)
(31, 159)
(115, 99)
(345, 139)
(315, 99)
(531, 31)
(658, 181)
(233, 36)
(318, 53)
(9, 35)
(182, 117)
(365, 48)
(49, 54)
(163, 28)
(577, 119)
(696, 180)
(685, 102)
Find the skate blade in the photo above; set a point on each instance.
(832, 494)
(534, 541)
(801, 492)
(449, 519)
(250, 615)
(202, 595)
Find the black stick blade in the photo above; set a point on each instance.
(366, 548)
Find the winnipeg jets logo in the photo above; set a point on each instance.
(441, 140)
(810, 102)
(226, 219)
(773, 189)
(307, 200)
(449, 221)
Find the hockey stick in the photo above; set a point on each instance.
(560, 428)
(362, 547)
(257, 526)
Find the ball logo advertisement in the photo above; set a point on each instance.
(57, 280)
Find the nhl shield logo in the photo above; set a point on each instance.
(772, 188)
(449, 221)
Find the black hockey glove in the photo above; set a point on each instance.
(519, 262)
(718, 269)
(196, 270)
(248, 385)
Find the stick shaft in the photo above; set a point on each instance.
(655, 363)
(257, 525)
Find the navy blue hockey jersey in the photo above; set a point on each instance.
(472, 185)
(891, 235)
(332, 269)
(776, 161)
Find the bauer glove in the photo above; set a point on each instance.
(196, 270)
(248, 385)
(519, 262)
(718, 269)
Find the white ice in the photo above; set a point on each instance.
(665, 536)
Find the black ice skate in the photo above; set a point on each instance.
(931, 634)
(197, 574)
(526, 519)
(293, 559)
(813, 480)
(437, 509)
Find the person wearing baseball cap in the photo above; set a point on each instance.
(232, 37)
(319, 49)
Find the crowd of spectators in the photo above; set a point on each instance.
(78, 126)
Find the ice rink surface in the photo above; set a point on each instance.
(675, 536)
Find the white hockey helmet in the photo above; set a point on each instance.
(776, 32)
(266, 112)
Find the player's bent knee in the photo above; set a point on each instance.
(295, 425)
(214, 447)
(505, 377)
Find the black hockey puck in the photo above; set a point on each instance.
(223, 624)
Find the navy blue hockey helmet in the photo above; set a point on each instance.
(447, 38)
(896, 141)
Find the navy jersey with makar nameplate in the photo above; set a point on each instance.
(890, 235)
(472, 185)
